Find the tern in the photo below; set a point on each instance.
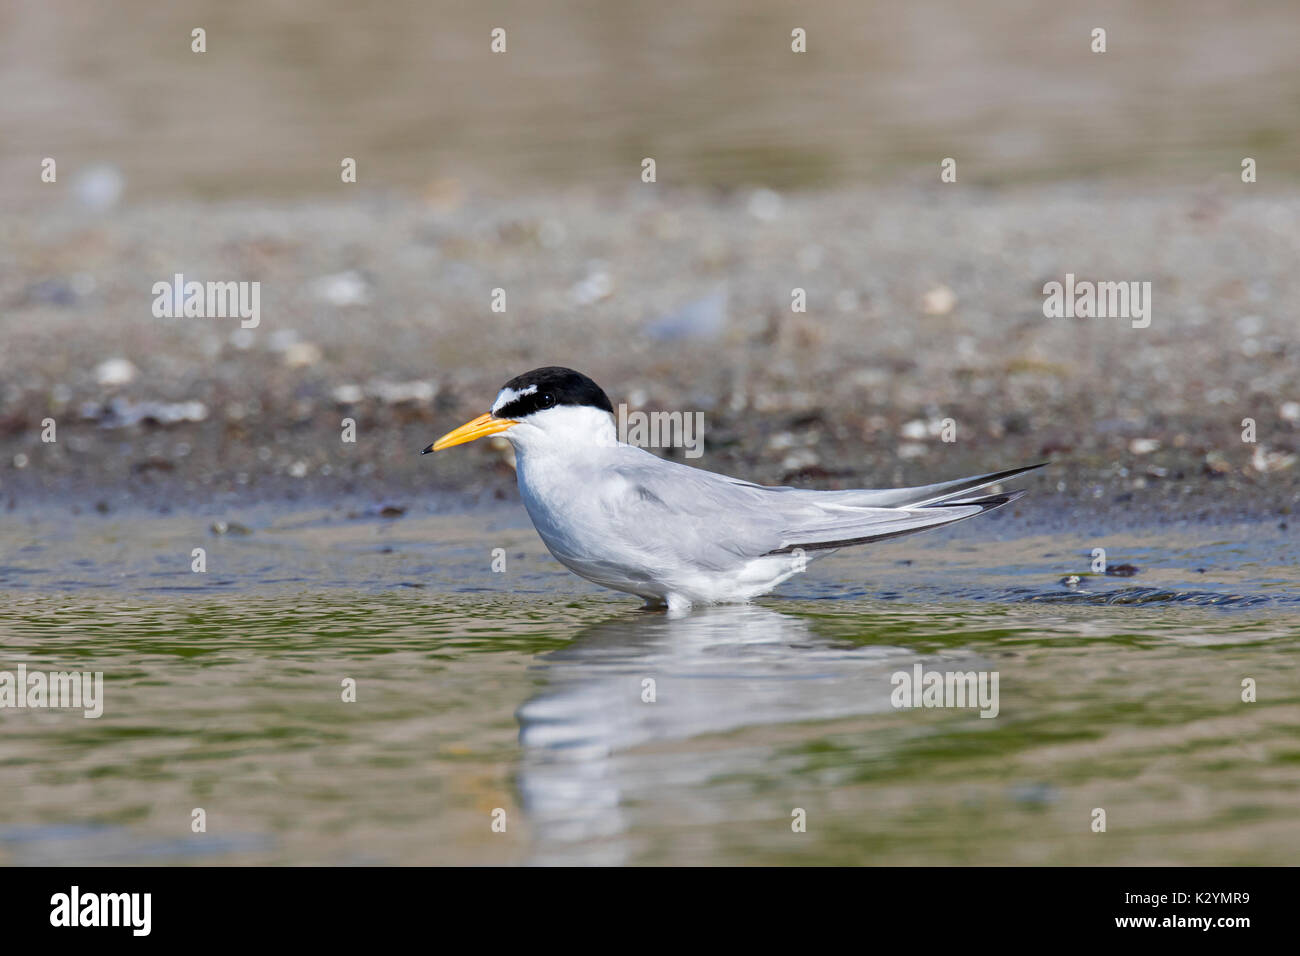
(675, 535)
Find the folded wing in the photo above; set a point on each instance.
(711, 520)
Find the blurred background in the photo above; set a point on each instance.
(586, 90)
(521, 171)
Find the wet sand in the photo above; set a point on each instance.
(923, 305)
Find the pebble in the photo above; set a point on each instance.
(1265, 460)
(348, 394)
(115, 371)
(342, 289)
(229, 527)
(122, 413)
(99, 188)
(596, 286)
(765, 205)
(302, 355)
(938, 301)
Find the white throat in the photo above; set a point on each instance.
(564, 429)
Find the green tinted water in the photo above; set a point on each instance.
(522, 691)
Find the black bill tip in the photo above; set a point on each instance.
(427, 449)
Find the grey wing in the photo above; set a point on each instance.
(691, 516)
(711, 520)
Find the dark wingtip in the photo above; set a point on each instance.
(1013, 473)
(1023, 469)
(986, 503)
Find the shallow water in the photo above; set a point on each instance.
(522, 691)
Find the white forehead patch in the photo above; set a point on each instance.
(508, 395)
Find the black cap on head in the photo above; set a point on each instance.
(546, 387)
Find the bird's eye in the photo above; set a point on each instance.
(547, 400)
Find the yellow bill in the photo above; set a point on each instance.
(480, 427)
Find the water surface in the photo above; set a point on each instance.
(522, 691)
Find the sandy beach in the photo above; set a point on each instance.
(922, 305)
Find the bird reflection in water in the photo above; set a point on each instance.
(638, 680)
